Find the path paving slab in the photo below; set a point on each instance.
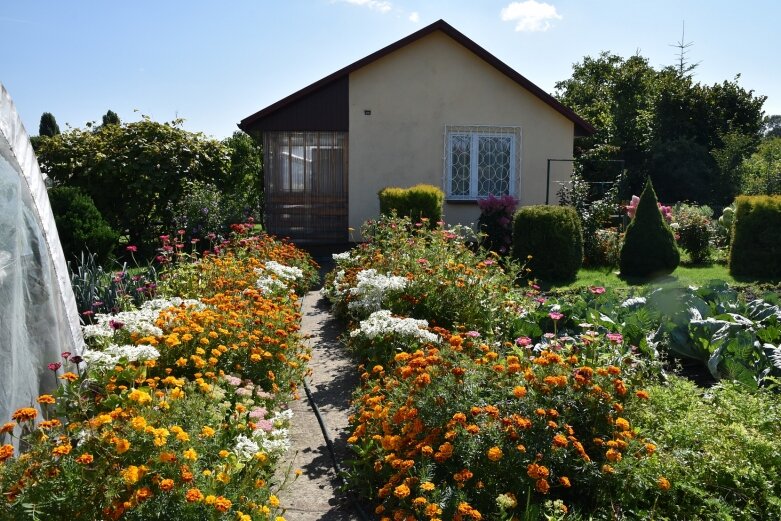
(315, 495)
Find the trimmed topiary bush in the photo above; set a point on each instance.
(417, 202)
(649, 244)
(756, 237)
(80, 225)
(553, 237)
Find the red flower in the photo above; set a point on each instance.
(131, 248)
(54, 366)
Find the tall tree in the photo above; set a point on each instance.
(690, 138)
(48, 126)
(133, 171)
(111, 118)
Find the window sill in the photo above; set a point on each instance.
(460, 201)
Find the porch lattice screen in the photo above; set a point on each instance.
(306, 185)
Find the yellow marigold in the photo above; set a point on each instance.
(190, 454)
(46, 399)
(132, 474)
(62, 450)
(222, 503)
(183, 437)
(427, 486)
(495, 454)
(138, 423)
(622, 424)
(207, 432)
(401, 491)
(6, 451)
(85, 459)
(166, 485)
(24, 414)
(273, 501)
(607, 469)
(650, 448)
(663, 483)
(139, 396)
(419, 502)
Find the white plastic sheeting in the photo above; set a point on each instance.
(38, 315)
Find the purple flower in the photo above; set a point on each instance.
(76, 359)
(116, 325)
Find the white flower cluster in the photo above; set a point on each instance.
(159, 304)
(141, 321)
(245, 448)
(268, 285)
(381, 323)
(284, 272)
(276, 276)
(372, 288)
(112, 355)
(276, 441)
(342, 257)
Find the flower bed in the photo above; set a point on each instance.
(176, 410)
(479, 401)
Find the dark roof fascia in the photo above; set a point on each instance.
(582, 127)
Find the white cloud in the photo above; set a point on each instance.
(414, 17)
(382, 6)
(530, 15)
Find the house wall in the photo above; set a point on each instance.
(417, 90)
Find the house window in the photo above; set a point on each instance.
(481, 161)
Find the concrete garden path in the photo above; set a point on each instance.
(314, 496)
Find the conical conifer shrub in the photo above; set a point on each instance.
(649, 244)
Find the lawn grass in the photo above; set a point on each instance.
(684, 275)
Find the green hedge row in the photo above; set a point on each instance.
(417, 202)
(553, 237)
(756, 237)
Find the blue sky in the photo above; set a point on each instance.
(214, 63)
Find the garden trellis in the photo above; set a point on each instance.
(38, 316)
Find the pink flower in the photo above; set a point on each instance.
(616, 338)
(555, 315)
(131, 248)
(54, 366)
(523, 341)
(181, 232)
(66, 354)
(422, 261)
(472, 334)
(596, 290)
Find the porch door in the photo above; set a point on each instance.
(306, 185)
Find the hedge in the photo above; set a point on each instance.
(552, 235)
(417, 202)
(756, 237)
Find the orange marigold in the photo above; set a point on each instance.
(564, 482)
(166, 485)
(193, 495)
(24, 414)
(85, 459)
(495, 454)
(8, 427)
(663, 483)
(46, 399)
(401, 491)
(643, 395)
(560, 440)
(6, 451)
(542, 486)
(61, 450)
(222, 503)
(536, 471)
(71, 377)
(519, 391)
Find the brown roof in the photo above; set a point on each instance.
(582, 127)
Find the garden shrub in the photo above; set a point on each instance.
(553, 237)
(693, 228)
(80, 225)
(418, 202)
(756, 237)
(649, 244)
(496, 222)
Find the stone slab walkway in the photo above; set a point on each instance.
(314, 496)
